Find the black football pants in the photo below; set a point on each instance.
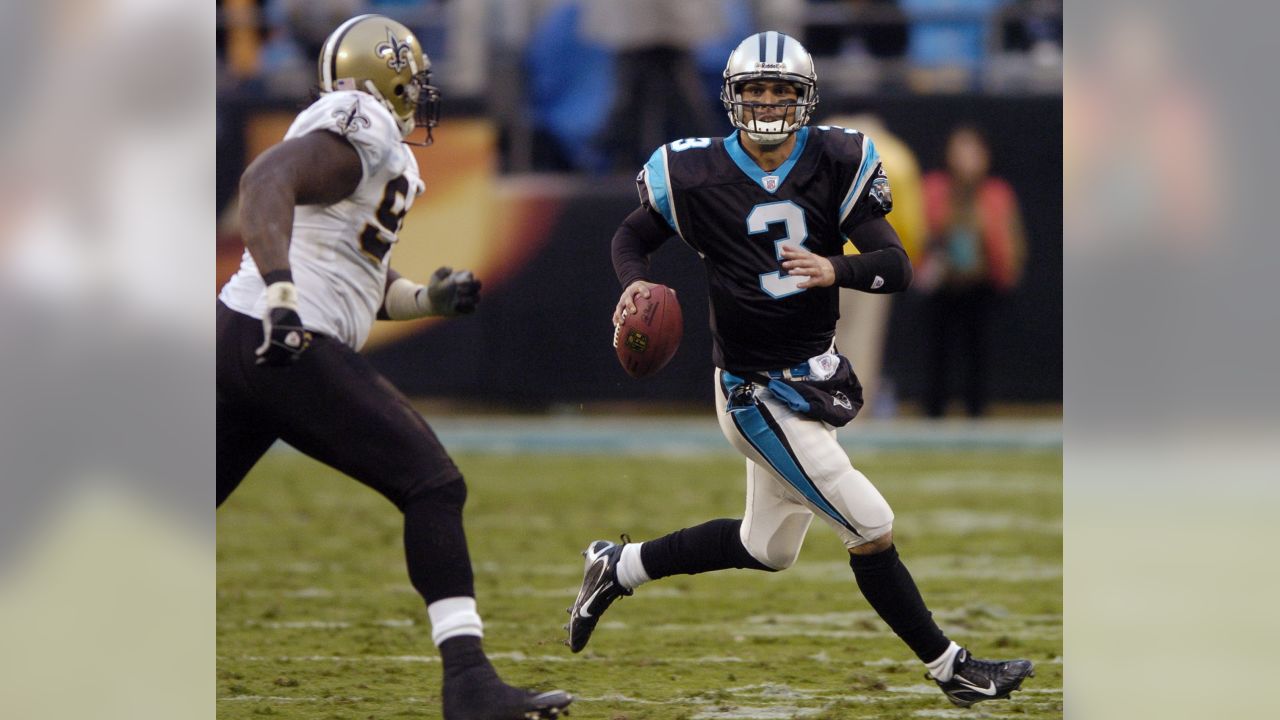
(331, 405)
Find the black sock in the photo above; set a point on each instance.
(462, 653)
(472, 689)
(713, 545)
(888, 586)
(435, 545)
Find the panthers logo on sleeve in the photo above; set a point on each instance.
(881, 194)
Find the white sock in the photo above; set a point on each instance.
(452, 617)
(941, 668)
(631, 572)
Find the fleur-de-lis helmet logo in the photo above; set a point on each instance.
(399, 54)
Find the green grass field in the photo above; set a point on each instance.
(316, 617)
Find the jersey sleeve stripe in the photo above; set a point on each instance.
(870, 158)
(327, 63)
(659, 189)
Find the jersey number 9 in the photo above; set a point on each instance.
(395, 203)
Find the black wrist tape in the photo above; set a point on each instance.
(276, 276)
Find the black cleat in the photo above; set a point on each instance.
(600, 588)
(976, 680)
(496, 700)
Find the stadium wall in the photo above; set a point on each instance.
(541, 243)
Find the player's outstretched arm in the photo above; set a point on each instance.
(448, 293)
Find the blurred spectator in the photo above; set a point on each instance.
(1025, 48)
(296, 31)
(874, 28)
(976, 249)
(949, 39)
(1033, 27)
(864, 317)
(568, 87)
(657, 95)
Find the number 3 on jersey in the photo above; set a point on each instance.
(778, 284)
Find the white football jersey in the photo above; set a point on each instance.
(340, 253)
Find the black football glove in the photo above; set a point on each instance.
(284, 338)
(453, 293)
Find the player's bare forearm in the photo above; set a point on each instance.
(266, 215)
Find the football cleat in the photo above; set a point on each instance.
(600, 587)
(495, 700)
(975, 680)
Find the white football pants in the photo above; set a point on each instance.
(795, 469)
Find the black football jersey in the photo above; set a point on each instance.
(739, 217)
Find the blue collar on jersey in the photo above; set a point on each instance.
(753, 171)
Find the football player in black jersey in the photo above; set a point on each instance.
(768, 209)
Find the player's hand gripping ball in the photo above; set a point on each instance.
(647, 339)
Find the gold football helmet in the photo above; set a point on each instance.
(379, 56)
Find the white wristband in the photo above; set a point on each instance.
(282, 294)
(405, 302)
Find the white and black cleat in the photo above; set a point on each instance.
(973, 680)
(600, 587)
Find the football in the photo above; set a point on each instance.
(646, 341)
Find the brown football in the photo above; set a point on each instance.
(647, 340)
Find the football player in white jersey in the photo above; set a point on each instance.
(320, 212)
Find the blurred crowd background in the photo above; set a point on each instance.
(548, 72)
(551, 106)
